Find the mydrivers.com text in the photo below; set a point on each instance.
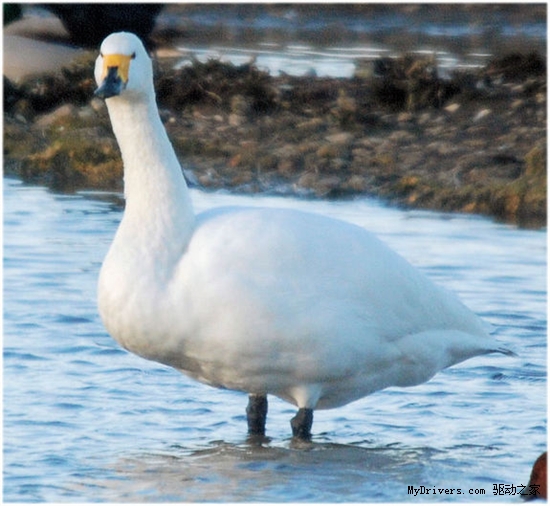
(497, 489)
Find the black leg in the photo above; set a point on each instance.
(301, 424)
(256, 413)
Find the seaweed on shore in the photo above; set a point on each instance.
(473, 143)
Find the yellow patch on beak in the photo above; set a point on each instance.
(119, 61)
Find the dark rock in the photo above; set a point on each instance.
(89, 24)
(12, 12)
(517, 66)
(12, 94)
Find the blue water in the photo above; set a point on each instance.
(86, 421)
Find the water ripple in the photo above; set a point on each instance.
(86, 421)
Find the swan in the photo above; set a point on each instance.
(313, 310)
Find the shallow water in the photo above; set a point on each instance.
(339, 41)
(86, 421)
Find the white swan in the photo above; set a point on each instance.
(310, 309)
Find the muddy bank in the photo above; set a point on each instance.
(473, 142)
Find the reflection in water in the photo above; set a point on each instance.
(227, 472)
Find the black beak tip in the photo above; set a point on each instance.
(105, 92)
(111, 86)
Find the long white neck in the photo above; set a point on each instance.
(158, 206)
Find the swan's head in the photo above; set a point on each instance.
(123, 67)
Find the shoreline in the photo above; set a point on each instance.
(475, 143)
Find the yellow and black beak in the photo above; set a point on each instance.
(114, 77)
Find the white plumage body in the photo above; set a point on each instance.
(316, 311)
(313, 310)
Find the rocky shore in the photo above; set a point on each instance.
(473, 142)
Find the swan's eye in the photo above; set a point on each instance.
(133, 56)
